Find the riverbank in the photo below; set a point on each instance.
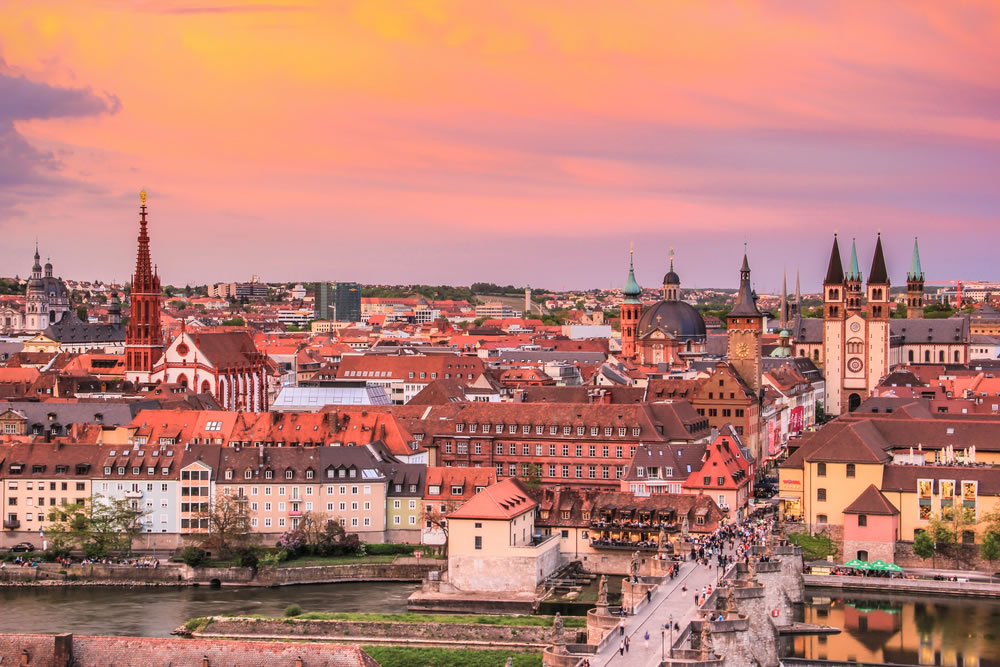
(973, 589)
(519, 633)
(178, 574)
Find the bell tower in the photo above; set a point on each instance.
(745, 325)
(143, 337)
(834, 323)
(631, 310)
(852, 283)
(915, 286)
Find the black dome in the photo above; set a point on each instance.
(671, 278)
(677, 318)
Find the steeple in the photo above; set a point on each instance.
(746, 305)
(143, 338)
(835, 272)
(631, 290)
(915, 286)
(853, 272)
(916, 272)
(878, 275)
(36, 269)
(783, 316)
(798, 296)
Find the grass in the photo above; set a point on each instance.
(814, 547)
(531, 621)
(408, 656)
(195, 624)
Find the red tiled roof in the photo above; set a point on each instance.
(504, 500)
(871, 501)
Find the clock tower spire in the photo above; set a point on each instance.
(745, 325)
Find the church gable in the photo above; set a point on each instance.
(184, 350)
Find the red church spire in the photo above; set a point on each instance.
(143, 338)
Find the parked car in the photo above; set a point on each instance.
(22, 547)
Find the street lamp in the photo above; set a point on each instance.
(670, 622)
(662, 633)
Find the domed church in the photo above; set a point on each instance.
(668, 332)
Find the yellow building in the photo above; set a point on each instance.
(922, 465)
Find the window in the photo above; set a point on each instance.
(862, 520)
(820, 518)
(479, 541)
(821, 494)
(821, 470)
(850, 470)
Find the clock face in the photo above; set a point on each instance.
(742, 350)
(855, 365)
(855, 326)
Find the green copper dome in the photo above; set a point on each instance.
(632, 291)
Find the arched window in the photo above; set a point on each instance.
(815, 355)
(927, 356)
(957, 357)
(206, 388)
(182, 380)
(853, 402)
(941, 356)
(910, 355)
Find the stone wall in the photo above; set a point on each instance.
(284, 576)
(355, 631)
(876, 550)
(916, 586)
(964, 557)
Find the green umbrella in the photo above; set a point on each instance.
(858, 564)
(878, 566)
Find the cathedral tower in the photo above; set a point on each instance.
(631, 311)
(143, 338)
(745, 324)
(833, 330)
(915, 286)
(671, 282)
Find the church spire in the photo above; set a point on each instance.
(783, 317)
(835, 272)
(878, 275)
(36, 269)
(144, 337)
(916, 272)
(853, 271)
(746, 305)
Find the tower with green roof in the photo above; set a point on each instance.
(852, 282)
(631, 311)
(915, 286)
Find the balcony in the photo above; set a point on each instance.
(294, 513)
(11, 524)
(626, 545)
(133, 494)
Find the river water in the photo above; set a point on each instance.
(902, 629)
(155, 612)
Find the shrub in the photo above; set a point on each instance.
(293, 610)
(193, 556)
(248, 557)
(294, 542)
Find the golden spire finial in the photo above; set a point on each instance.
(142, 197)
(631, 247)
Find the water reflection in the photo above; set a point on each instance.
(903, 629)
(155, 612)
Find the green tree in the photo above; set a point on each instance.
(990, 548)
(899, 311)
(235, 322)
(81, 313)
(100, 528)
(923, 545)
(228, 520)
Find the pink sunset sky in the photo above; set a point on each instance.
(512, 142)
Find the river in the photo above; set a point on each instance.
(155, 612)
(901, 629)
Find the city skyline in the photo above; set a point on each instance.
(510, 144)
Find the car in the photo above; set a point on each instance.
(22, 547)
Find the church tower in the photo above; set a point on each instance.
(745, 325)
(915, 286)
(671, 282)
(877, 343)
(143, 338)
(37, 317)
(852, 283)
(833, 330)
(631, 311)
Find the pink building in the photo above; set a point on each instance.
(870, 527)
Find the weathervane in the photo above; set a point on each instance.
(142, 197)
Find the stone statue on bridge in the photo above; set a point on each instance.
(634, 567)
(602, 592)
(685, 527)
(705, 639)
(559, 634)
(661, 541)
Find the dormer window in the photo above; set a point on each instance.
(229, 474)
(121, 470)
(434, 490)
(309, 474)
(456, 490)
(107, 470)
(640, 471)
(268, 474)
(136, 470)
(248, 474)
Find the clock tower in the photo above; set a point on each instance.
(745, 325)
